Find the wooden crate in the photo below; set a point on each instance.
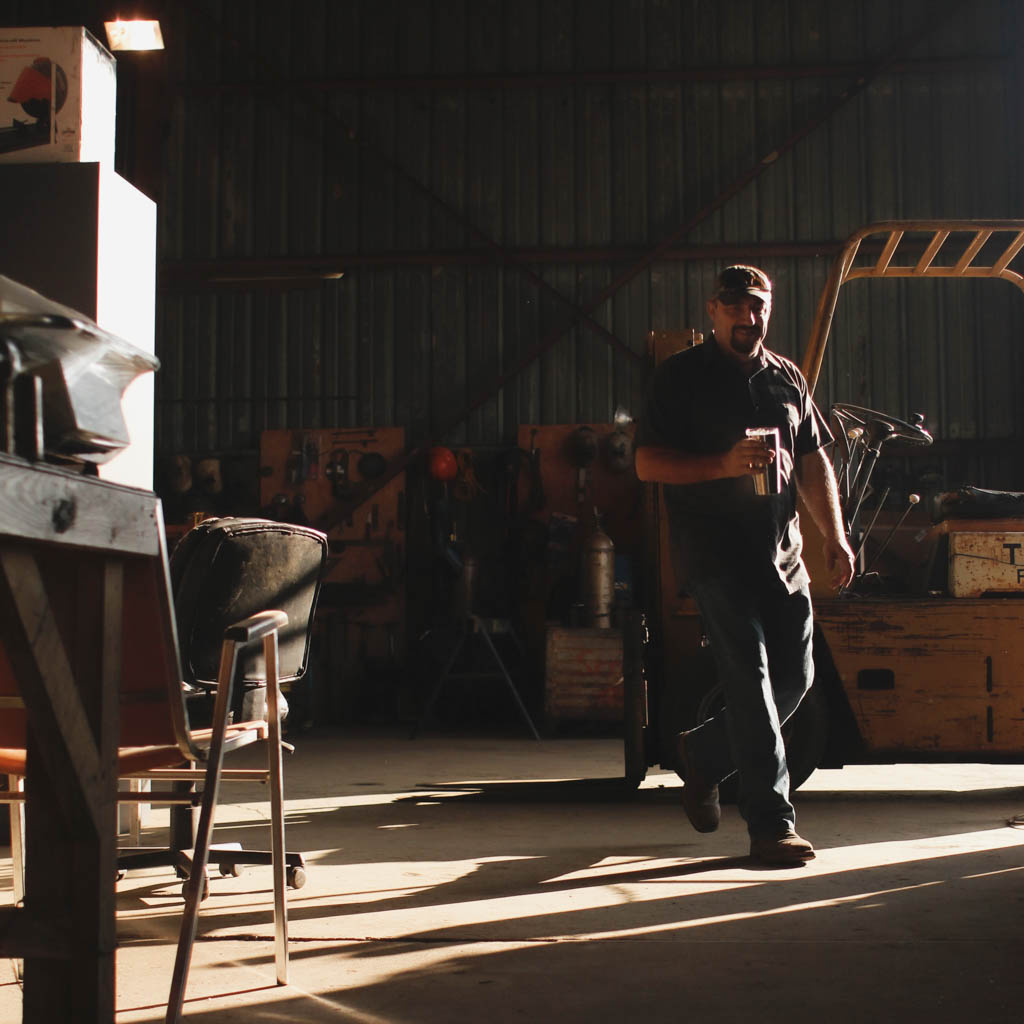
(940, 676)
(583, 675)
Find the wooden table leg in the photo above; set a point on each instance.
(67, 658)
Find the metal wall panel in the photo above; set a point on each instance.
(441, 145)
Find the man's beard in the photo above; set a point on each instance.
(745, 340)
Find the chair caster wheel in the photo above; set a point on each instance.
(203, 893)
(296, 877)
(229, 869)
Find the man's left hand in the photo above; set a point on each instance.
(838, 562)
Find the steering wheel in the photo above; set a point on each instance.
(880, 426)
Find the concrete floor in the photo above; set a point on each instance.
(499, 879)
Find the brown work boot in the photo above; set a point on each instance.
(787, 850)
(700, 795)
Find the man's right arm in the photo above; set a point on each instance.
(661, 465)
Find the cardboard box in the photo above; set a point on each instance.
(986, 563)
(58, 96)
(81, 235)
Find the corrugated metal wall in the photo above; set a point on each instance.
(480, 167)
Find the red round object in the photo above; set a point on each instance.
(442, 463)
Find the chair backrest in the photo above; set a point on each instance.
(227, 569)
(152, 697)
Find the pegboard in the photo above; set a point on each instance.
(317, 477)
(617, 495)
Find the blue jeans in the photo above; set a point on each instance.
(761, 642)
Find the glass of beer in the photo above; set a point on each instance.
(767, 479)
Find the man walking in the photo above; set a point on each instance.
(733, 433)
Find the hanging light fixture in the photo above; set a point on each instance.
(134, 34)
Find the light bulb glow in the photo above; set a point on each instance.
(134, 35)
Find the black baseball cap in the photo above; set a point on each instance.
(739, 280)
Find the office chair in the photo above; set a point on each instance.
(222, 571)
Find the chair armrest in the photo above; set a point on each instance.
(256, 626)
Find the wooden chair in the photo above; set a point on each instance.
(155, 735)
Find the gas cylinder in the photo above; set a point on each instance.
(598, 579)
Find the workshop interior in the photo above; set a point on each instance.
(399, 275)
(458, 417)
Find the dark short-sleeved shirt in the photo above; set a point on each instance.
(702, 402)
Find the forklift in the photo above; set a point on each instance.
(920, 658)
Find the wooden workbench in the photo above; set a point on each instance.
(64, 542)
